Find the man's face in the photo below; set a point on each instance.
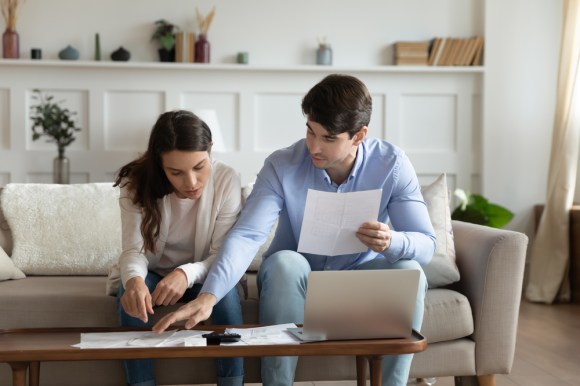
(334, 153)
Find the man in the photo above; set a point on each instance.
(335, 156)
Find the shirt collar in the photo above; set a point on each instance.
(360, 154)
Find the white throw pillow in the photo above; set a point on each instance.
(442, 270)
(63, 229)
(7, 269)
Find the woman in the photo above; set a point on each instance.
(177, 204)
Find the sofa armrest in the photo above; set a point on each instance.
(491, 263)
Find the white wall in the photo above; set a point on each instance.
(522, 46)
(274, 32)
(523, 43)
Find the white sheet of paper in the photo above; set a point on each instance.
(275, 334)
(332, 219)
(127, 339)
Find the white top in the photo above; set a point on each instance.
(190, 245)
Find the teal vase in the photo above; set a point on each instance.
(69, 53)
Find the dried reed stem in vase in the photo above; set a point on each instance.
(10, 12)
(204, 22)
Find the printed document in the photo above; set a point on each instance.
(331, 221)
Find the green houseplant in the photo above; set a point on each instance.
(51, 120)
(164, 34)
(476, 209)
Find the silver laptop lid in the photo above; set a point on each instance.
(361, 304)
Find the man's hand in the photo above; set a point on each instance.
(136, 300)
(375, 235)
(197, 310)
(170, 289)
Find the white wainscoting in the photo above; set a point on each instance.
(432, 113)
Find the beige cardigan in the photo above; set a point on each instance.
(219, 207)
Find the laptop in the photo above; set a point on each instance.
(360, 304)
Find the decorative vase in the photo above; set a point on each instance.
(121, 55)
(324, 55)
(97, 47)
(61, 168)
(10, 44)
(166, 55)
(69, 53)
(202, 49)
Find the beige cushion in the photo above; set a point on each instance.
(442, 270)
(63, 229)
(7, 269)
(447, 316)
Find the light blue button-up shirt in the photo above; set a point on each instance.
(280, 193)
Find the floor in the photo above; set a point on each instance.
(547, 350)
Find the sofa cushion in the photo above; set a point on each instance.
(442, 270)
(63, 229)
(447, 316)
(81, 302)
(7, 269)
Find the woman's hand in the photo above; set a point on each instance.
(136, 300)
(170, 289)
(197, 310)
(375, 235)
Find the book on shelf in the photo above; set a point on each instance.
(185, 47)
(411, 53)
(437, 51)
(435, 44)
(478, 57)
(456, 51)
(446, 54)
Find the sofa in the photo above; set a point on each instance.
(58, 241)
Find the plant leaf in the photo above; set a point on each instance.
(470, 214)
(497, 215)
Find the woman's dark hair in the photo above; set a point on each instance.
(145, 178)
(340, 103)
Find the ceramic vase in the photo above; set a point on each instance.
(61, 168)
(69, 53)
(121, 55)
(324, 55)
(202, 49)
(10, 44)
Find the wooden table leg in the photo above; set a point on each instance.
(19, 373)
(361, 370)
(34, 374)
(376, 365)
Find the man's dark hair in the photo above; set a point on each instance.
(340, 103)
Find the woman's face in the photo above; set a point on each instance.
(187, 171)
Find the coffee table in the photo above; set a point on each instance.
(25, 349)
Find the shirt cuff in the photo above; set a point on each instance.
(393, 253)
(195, 273)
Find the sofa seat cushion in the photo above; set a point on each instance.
(71, 301)
(447, 316)
(56, 301)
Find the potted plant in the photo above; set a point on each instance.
(51, 120)
(165, 35)
(477, 209)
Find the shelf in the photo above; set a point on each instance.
(235, 67)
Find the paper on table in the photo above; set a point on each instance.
(126, 339)
(332, 219)
(276, 334)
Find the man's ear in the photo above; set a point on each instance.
(360, 135)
